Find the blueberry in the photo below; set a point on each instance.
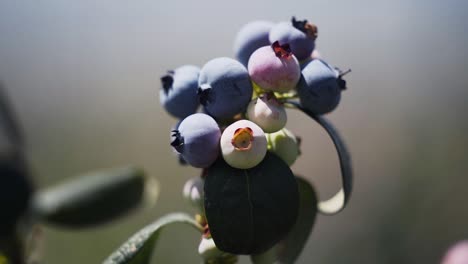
(251, 37)
(300, 35)
(178, 94)
(457, 253)
(314, 56)
(320, 87)
(193, 191)
(274, 68)
(285, 145)
(197, 140)
(267, 112)
(243, 144)
(225, 88)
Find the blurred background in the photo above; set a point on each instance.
(84, 79)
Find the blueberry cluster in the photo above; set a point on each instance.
(243, 117)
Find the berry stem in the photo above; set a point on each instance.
(343, 73)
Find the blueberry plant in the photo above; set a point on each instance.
(249, 201)
(232, 118)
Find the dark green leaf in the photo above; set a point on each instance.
(248, 211)
(290, 248)
(338, 202)
(139, 248)
(93, 199)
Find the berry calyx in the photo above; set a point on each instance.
(167, 81)
(177, 140)
(309, 29)
(341, 82)
(281, 51)
(242, 139)
(203, 93)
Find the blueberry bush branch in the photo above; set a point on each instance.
(338, 202)
(138, 249)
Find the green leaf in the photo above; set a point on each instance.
(249, 211)
(94, 199)
(337, 202)
(139, 248)
(291, 247)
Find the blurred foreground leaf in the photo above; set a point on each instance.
(93, 199)
(338, 202)
(8, 123)
(139, 248)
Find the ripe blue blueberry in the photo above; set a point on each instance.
(300, 35)
(197, 140)
(251, 37)
(178, 94)
(320, 87)
(225, 88)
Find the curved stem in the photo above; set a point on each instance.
(338, 202)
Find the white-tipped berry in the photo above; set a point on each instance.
(267, 112)
(243, 144)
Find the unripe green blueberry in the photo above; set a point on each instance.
(284, 144)
(267, 112)
(243, 144)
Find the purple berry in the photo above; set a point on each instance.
(179, 91)
(225, 88)
(197, 140)
(274, 68)
(251, 37)
(320, 87)
(300, 35)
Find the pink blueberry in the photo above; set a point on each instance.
(274, 68)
